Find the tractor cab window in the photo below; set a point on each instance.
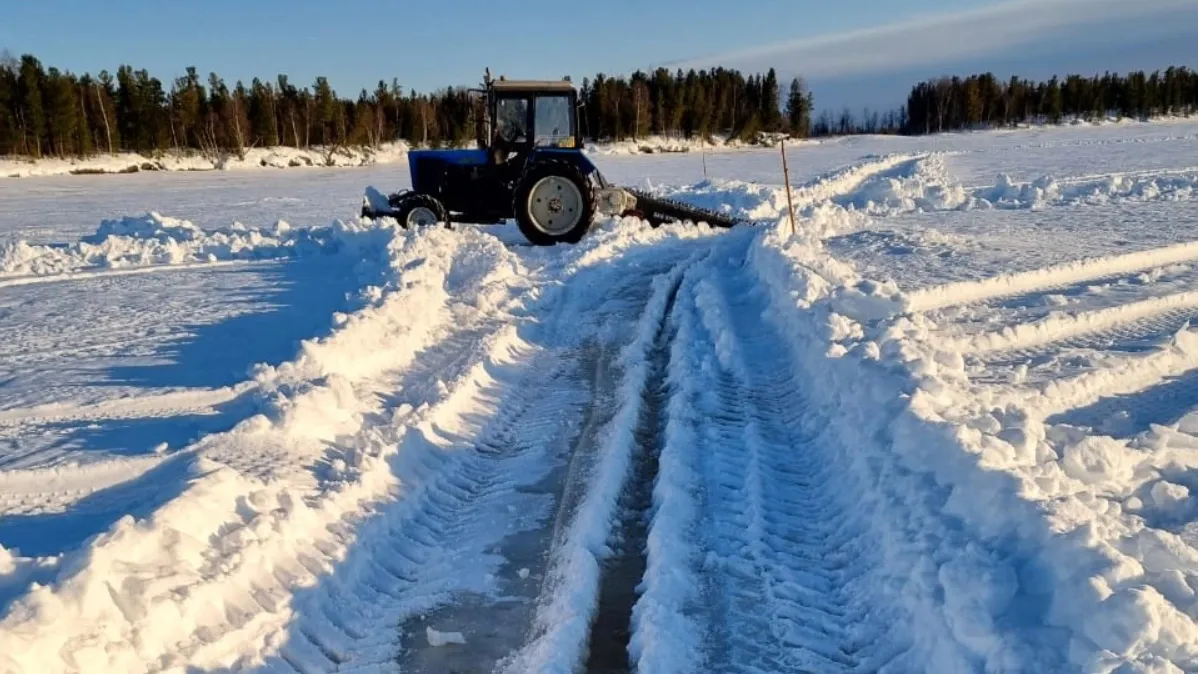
(511, 120)
(553, 122)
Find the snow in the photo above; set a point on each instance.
(947, 420)
(273, 158)
(250, 159)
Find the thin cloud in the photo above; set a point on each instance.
(930, 40)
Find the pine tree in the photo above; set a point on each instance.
(264, 127)
(63, 114)
(9, 135)
(771, 106)
(31, 113)
(324, 119)
(799, 104)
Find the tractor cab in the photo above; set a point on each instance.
(527, 115)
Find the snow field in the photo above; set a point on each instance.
(850, 465)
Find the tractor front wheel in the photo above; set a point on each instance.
(419, 210)
(554, 203)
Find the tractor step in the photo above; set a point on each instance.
(660, 211)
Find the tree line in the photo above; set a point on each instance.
(980, 101)
(695, 103)
(49, 112)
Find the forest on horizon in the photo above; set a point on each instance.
(45, 111)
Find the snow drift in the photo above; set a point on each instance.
(154, 239)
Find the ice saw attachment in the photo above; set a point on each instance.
(659, 211)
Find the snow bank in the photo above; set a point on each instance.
(890, 185)
(1115, 188)
(154, 239)
(668, 145)
(823, 205)
(253, 158)
(976, 496)
(206, 580)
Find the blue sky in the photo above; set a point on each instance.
(426, 44)
(853, 52)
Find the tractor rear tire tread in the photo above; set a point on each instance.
(542, 168)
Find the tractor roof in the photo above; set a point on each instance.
(533, 85)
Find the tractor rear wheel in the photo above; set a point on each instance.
(554, 203)
(419, 210)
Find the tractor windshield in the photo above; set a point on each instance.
(553, 122)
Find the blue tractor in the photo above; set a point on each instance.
(529, 166)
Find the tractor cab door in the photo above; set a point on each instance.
(513, 120)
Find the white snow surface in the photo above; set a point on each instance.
(250, 159)
(945, 421)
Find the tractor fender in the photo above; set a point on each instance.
(571, 156)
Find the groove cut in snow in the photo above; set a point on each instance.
(939, 297)
(559, 641)
(623, 569)
(1118, 376)
(1060, 327)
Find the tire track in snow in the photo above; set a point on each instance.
(1123, 416)
(1115, 376)
(463, 486)
(1115, 347)
(778, 555)
(1063, 343)
(464, 553)
(492, 624)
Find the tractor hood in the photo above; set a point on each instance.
(462, 156)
